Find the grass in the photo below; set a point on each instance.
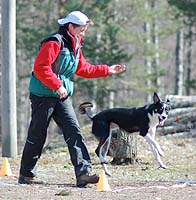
(140, 181)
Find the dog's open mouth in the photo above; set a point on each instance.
(161, 121)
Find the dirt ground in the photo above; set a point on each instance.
(140, 181)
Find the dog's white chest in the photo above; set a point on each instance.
(153, 120)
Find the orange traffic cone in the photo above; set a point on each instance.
(5, 169)
(103, 183)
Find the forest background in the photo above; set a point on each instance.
(155, 39)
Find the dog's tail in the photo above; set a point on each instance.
(86, 108)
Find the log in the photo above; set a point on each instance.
(183, 104)
(178, 101)
(181, 97)
(175, 128)
(185, 117)
(182, 134)
(179, 111)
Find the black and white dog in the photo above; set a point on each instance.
(142, 119)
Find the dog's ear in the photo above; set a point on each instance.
(168, 103)
(156, 98)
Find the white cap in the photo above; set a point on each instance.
(75, 17)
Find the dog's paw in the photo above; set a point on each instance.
(106, 169)
(108, 173)
(163, 166)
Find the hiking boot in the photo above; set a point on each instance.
(29, 180)
(85, 179)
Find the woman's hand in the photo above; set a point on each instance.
(116, 69)
(62, 92)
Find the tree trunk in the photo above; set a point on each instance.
(179, 63)
(155, 38)
(111, 98)
(148, 63)
(189, 60)
(123, 147)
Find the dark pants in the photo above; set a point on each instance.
(43, 109)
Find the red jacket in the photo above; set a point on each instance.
(48, 54)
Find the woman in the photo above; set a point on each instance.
(59, 57)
